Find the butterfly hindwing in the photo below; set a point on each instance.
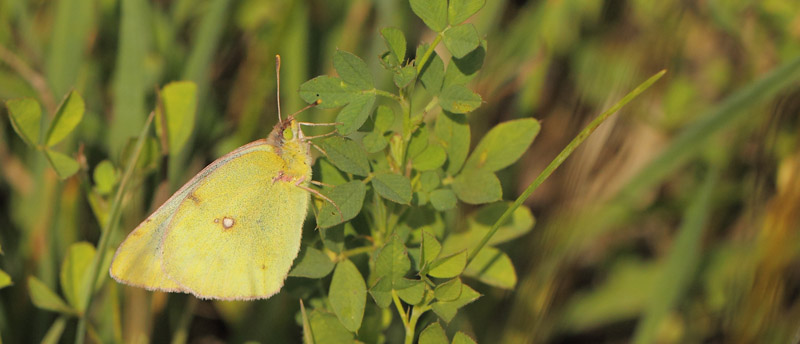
(138, 260)
(236, 234)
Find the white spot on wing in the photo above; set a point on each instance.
(227, 222)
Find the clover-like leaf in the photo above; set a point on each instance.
(349, 197)
(394, 187)
(75, 272)
(453, 133)
(447, 309)
(459, 99)
(493, 267)
(450, 266)
(396, 42)
(460, 10)
(462, 39)
(503, 145)
(312, 263)
(432, 12)
(432, 73)
(26, 119)
(44, 298)
(348, 295)
(346, 154)
(477, 187)
(433, 334)
(67, 117)
(353, 70)
(64, 165)
(179, 100)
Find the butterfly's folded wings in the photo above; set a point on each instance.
(232, 232)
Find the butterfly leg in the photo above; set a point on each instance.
(311, 124)
(309, 138)
(318, 194)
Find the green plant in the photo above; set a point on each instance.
(397, 173)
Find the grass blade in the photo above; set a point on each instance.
(559, 159)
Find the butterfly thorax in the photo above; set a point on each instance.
(290, 144)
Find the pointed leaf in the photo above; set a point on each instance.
(461, 40)
(460, 10)
(393, 187)
(45, 298)
(432, 73)
(477, 187)
(312, 263)
(459, 99)
(461, 338)
(431, 158)
(64, 166)
(405, 76)
(353, 70)
(382, 292)
(448, 291)
(519, 223)
(412, 294)
(349, 197)
(461, 71)
(53, 335)
(453, 133)
(429, 249)
(67, 117)
(392, 261)
(450, 266)
(493, 267)
(333, 92)
(447, 309)
(396, 42)
(326, 328)
(179, 100)
(348, 295)
(433, 334)
(75, 272)
(346, 154)
(308, 336)
(355, 113)
(26, 118)
(503, 145)
(432, 12)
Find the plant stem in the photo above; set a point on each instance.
(412, 322)
(427, 54)
(400, 310)
(387, 95)
(559, 159)
(355, 251)
(111, 220)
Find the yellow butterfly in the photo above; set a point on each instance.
(233, 231)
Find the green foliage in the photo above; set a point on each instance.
(179, 104)
(412, 196)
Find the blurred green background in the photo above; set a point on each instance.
(677, 220)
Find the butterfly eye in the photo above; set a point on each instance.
(288, 134)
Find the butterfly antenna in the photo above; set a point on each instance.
(317, 102)
(278, 78)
